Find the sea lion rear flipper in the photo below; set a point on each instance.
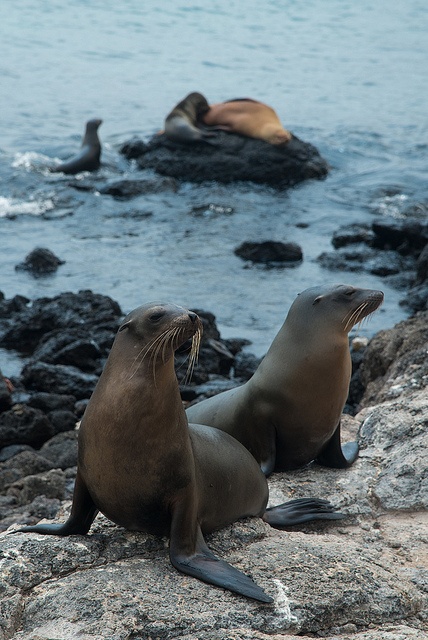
(336, 455)
(300, 511)
(83, 512)
(204, 565)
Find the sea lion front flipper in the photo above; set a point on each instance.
(83, 512)
(192, 557)
(336, 455)
(300, 511)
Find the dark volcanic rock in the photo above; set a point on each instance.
(40, 262)
(24, 425)
(63, 379)
(352, 234)
(229, 158)
(406, 237)
(131, 188)
(270, 251)
(23, 328)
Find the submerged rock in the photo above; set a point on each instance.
(40, 262)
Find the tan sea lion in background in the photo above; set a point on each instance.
(181, 122)
(247, 117)
(146, 469)
(88, 159)
(289, 412)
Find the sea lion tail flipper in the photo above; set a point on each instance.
(83, 512)
(300, 511)
(205, 566)
(336, 455)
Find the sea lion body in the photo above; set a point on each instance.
(143, 466)
(247, 117)
(88, 159)
(288, 413)
(181, 122)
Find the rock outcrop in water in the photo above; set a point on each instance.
(230, 158)
(364, 577)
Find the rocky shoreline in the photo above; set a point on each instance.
(366, 576)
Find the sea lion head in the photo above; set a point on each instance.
(158, 329)
(335, 306)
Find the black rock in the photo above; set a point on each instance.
(230, 158)
(405, 236)
(352, 234)
(23, 328)
(270, 251)
(40, 262)
(40, 376)
(24, 425)
(51, 401)
(126, 189)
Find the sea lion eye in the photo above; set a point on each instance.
(349, 292)
(156, 316)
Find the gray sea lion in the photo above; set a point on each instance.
(288, 413)
(247, 117)
(181, 122)
(88, 159)
(146, 469)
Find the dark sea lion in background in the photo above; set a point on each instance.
(146, 469)
(289, 412)
(88, 159)
(247, 117)
(181, 123)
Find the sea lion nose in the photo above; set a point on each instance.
(192, 316)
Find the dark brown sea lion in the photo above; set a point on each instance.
(88, 159)
(288, 413)
(145, 468)
(249, 118)
(181, 122)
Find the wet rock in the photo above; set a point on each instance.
(270, 251)
(24, 425)
(405, 236)
(67, 380)
(125, 189)
(230, 158)
(352, 234)
(86, 349)
(23, 328)
(5, 393)
(359, 259)
(40, 262)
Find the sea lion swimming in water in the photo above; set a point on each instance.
(288, 413)
(247, 117)
(181, 122)
(88, 159)
(145, 468)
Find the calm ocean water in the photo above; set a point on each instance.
(348, 77)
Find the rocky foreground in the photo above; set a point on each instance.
(365, 577)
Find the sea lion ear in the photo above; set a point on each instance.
(317, 300)
(123, 326)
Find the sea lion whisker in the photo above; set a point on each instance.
(145, 350)
(351, 318)
(149, 349)
(194, 354)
